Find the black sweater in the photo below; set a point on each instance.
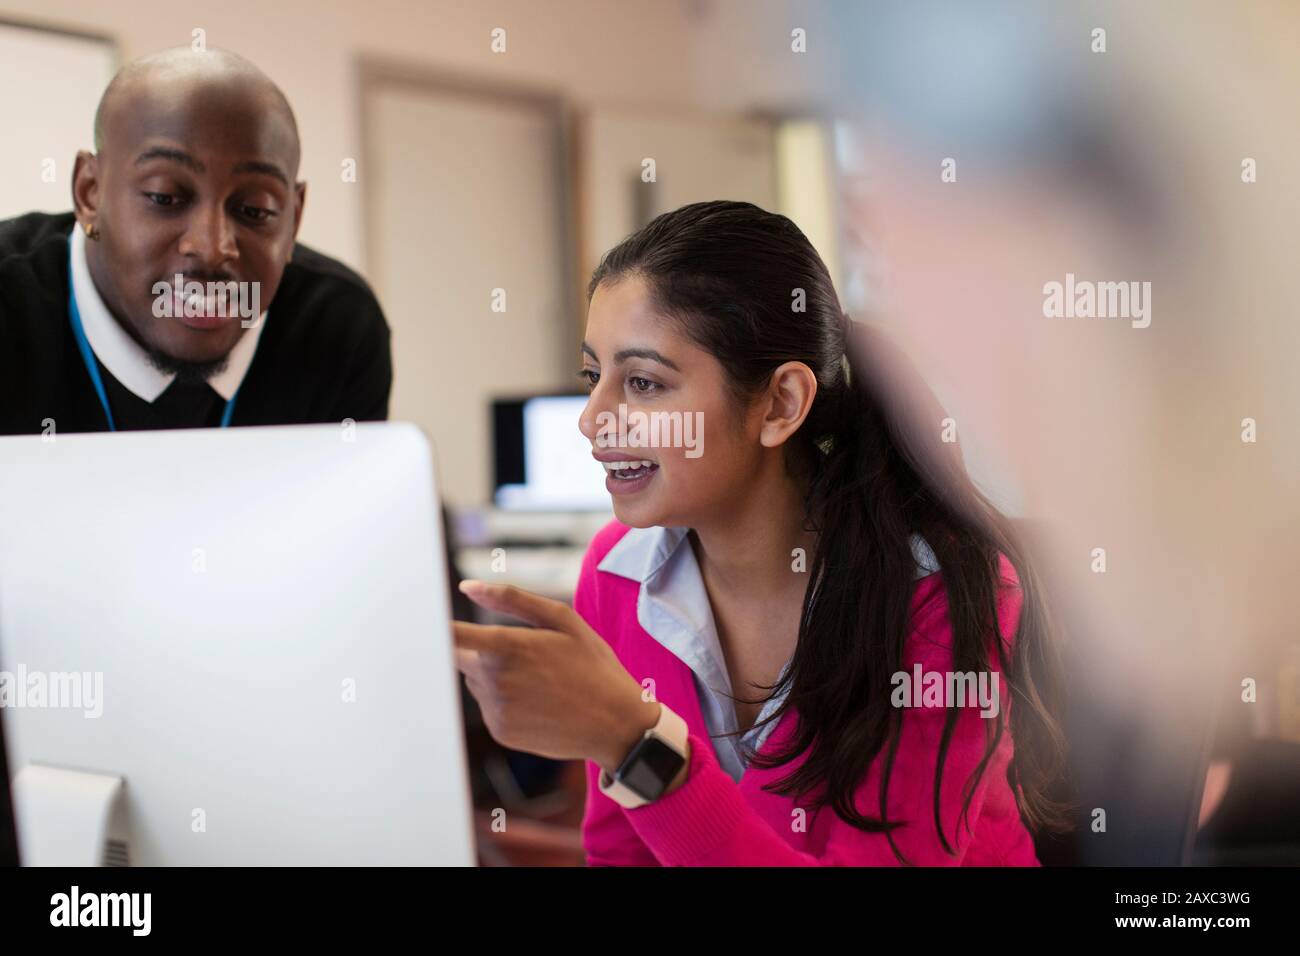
(323, 355)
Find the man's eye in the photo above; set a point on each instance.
(161, 199)
(256, 213)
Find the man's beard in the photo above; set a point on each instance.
(187, 373)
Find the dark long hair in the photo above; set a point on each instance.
(747, 286)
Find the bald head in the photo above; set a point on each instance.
(173, 77)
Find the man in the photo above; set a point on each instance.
(175, 295)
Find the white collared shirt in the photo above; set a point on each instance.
(673, 608)
(123, 356)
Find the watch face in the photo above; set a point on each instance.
(651, 767)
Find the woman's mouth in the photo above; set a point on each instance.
(627, 477)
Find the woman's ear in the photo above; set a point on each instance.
(789, 398)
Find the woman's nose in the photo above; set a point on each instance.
(587, 420)
(598, 412)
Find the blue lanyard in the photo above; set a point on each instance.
(88, 357)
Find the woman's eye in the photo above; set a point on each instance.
(642, 384)
(161, 199)
(590, 376)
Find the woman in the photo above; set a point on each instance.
(764, 658)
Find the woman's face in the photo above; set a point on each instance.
(677, 449)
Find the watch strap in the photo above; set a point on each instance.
(671, 729)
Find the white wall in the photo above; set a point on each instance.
(696, 157)
(49, 87)
(449, 226)
(591, 51)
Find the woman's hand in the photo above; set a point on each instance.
(556, 689)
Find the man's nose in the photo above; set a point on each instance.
(209, 238)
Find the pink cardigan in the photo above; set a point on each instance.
(710, 820)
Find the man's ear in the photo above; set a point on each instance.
(85, 187)
(789, 398)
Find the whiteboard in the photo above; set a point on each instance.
(50, 83)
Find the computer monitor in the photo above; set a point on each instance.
(240, 639)
(8, 835)
(542, 461)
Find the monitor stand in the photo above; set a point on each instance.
(70, 817)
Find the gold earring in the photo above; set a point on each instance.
(91, 231)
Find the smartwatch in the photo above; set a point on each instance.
(651, 765)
